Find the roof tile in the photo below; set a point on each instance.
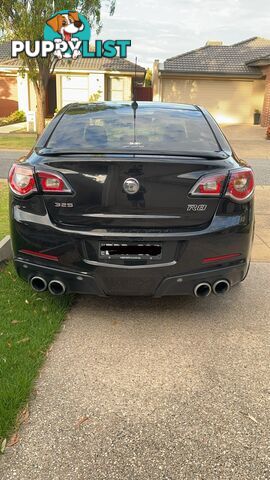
(232, 59)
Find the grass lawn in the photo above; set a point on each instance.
(4, 222)
(28, 323)
(17, 141)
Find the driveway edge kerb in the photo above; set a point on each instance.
(5, 249)
(5, 149)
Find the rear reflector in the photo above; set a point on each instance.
(221, 257)
(21, 180)
(40, 255)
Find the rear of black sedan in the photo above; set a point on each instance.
(132, 199)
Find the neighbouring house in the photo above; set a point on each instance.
(8, 85)
(232, 82)
(72, 81)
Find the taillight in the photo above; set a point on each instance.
(210, 185)
(21, 180)
(52, 182)
(241, 185)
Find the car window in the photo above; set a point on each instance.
(113, 127)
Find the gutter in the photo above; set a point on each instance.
(107, 72)
(167, 73)
(6, 69)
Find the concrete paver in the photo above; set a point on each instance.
(175, 388)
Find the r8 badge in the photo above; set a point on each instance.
(196, 208)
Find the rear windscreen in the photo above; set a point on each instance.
(105, 127)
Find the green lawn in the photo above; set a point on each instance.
(4, 223)
(28, 323)
(16, 141)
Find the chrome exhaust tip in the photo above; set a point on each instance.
(38, 284)
(56, 287)
(202, 289)
(221, 287)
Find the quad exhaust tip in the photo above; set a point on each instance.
(38, 284)
(56, 287)
(221, 287)
(202, 289)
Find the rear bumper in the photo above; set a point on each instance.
(81, 269)
(129, 284)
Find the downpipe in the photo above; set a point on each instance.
(56, 287)
(221, 287)
(38, 284)
(202, 290)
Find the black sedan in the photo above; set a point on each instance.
(132, 199)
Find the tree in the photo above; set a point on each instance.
(148, 78)
(25, 20)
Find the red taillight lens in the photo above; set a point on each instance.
(21, 180)
(241, 185)
(211, 185)
(52, 182)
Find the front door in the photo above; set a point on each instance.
(119, 88)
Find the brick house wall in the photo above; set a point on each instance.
(8, 95)
(265, 118)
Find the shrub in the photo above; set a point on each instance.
(95, 97)
(15, 117)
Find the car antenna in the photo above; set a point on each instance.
(134, 104)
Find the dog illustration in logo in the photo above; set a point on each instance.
(66, 24)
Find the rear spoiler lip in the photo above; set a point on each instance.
(205, 155)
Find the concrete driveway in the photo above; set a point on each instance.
(261, 245)
(144, 389)
(249, 141)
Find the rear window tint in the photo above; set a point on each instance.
(105, 127)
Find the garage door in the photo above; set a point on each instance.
(229, 101)
(75, 88)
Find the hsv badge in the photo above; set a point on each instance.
(131, 186)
